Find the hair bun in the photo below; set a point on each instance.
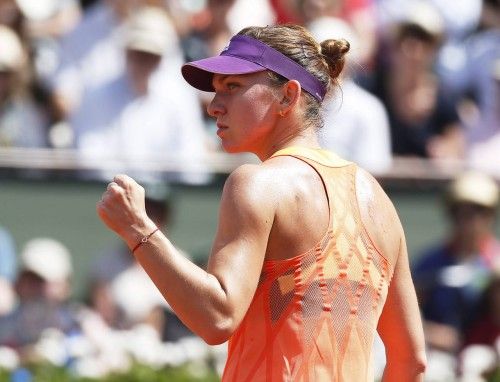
(334, 52)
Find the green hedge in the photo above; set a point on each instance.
(138, 373)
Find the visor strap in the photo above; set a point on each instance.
(253, 50)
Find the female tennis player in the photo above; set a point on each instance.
(309, 259)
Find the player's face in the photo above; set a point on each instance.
(245, 107)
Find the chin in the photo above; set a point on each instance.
(232, 149)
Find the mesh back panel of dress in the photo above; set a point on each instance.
(314, 316)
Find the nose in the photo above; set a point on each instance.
(216, 108)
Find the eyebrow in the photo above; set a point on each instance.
(219, 78)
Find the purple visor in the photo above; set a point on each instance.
(248, 55)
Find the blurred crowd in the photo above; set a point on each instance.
(102, 77)
(123, 320)
(458, 284)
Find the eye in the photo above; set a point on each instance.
(232, 85)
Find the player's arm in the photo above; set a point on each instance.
(400, 325)
(211, 303)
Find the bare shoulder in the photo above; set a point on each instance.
(249, 180)
(265, 177)
(249, 189)
(379, 215)
(244, 175)
(267, 186)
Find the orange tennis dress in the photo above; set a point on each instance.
(314, 316)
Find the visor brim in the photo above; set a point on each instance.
(199, 73)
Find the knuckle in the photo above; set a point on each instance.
(115, 191)
(122, 178)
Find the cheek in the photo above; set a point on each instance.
(253, 113)
(256, 106)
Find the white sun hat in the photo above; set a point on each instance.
(474, 187)
(39, 9)
(11, 51)
(48, 258)
(150, 30)
(425, 16)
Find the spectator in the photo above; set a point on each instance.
(44, 23)
(91, 54)
(143, 116)
(422, 117)
(51, 260)
(470, 71)
(459, 20)
(22, 122)
(356, 122)
(452, 276)
(43, 287)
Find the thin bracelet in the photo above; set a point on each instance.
(144, 240)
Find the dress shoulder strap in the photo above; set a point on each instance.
(324, 157)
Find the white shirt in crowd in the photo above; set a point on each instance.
(357, 128)
(143, 134)
(91, 55)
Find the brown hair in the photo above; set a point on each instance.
(325, 61)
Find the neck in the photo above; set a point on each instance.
(306, 138)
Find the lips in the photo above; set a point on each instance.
(221, 128)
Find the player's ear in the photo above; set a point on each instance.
(290, 95)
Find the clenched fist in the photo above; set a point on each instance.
(122, 209)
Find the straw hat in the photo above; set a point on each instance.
(473, 187)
